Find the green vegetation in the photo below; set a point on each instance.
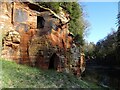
(107, 51)
(77, 24)
(118, 40)
(19, 76)
(89, 49)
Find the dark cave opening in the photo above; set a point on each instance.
(53, 62)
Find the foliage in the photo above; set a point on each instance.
(107, 45)
(52, 5)
(19, 76)
(118, 39)
(77, 24)
(89, 49)
(105, 50)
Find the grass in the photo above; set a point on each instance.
(20, 76)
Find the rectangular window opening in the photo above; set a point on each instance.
(40, 22)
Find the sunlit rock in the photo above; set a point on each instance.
(39, 38)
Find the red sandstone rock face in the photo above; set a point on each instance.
(25, 39)
(11, 46)
(41, 41)
(42, 48)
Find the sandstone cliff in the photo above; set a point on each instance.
(37, 36)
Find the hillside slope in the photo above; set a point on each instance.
(19, 76)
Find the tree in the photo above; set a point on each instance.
(118, 40)
(105, 50)
(89, 49)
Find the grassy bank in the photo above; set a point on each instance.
(19, 76)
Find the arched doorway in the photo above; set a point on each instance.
(54, 60)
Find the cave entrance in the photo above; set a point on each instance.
(53, 64)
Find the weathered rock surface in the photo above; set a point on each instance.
(38, 38)
(11, 46)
